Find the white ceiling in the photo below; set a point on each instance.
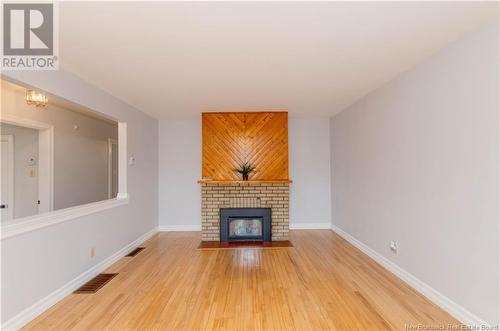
(177, 59)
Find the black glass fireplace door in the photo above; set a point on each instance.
(245, 224)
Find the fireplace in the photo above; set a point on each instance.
(245, 224)
(242, 195)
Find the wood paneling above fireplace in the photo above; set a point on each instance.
(230, 139)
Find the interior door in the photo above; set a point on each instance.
(7, 178)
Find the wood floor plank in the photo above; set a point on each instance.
(322, 283)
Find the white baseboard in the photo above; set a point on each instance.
(454, 309)
(310, 226)
(166, 228)
(42, 305)
(457, 311)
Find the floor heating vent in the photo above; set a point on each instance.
(95, 283)
(135, 251)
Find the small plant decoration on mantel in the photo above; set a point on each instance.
(245, 169)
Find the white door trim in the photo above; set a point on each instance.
(111, 142)
(10, 204)
(45, 158)
(122, 161)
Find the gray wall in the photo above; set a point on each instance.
(417, 161)
(309, 158)
(180, 164)
(25, 186)
(31, 263)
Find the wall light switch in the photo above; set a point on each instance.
(131, 161)
(92, 251)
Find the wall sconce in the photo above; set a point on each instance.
(37, 99)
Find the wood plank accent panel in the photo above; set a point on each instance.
(230, 139)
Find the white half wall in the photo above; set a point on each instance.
(32, 262)
(417, 161)
(180, 169)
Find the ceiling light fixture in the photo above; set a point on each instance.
(37, 99)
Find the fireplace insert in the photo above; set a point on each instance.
(245, 224)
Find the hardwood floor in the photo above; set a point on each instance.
(322, 283)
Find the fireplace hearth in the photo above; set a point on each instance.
(245, 224)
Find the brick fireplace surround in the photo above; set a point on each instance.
(238, 194)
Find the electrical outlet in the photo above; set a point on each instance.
(394, 247)
(92, 251)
